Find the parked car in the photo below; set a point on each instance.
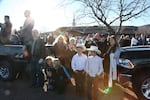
(13, 59)
(134, 65)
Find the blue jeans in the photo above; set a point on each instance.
(36, 72)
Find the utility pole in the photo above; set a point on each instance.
(74, 21)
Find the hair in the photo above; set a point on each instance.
(116, 43)
(6, 16)
(27, 12)
(57, 39)
(35, 32)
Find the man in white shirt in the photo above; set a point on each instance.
(78, 67)
(27, 27)
(134, 40)
(94, 70)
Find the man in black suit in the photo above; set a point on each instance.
(37, 56)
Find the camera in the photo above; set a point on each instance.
(1, 25)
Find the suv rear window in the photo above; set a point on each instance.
(135, 54)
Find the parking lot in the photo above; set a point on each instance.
(19, 90)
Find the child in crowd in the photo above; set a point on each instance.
(94, 70)
(49, 74)
(55, 75)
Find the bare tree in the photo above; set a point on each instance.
(111, 12)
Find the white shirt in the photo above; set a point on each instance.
(78, 62)
(134, 41)
(94, 66)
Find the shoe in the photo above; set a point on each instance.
(106, 90)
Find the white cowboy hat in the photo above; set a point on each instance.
(94, 48)
(79, 45)
(72, 38)
(50, 57)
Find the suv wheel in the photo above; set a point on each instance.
(145, 88)
(6, 72)
(141, 86)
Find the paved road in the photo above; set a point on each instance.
(19, 90)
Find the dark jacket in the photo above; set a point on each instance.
(6, 31)
(39, 48)
(142, 41)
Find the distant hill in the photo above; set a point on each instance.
(84, 30)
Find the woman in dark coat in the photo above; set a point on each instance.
(59, 48)
(112, 48)
(69, 54)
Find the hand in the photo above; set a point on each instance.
(75, 71)
(73, 81)
(3, 25)
(40, 60)
(104, 55)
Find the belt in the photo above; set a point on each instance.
(96, 76)
(80, 71)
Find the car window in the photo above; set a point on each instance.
(135, 54)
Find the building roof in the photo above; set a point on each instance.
(94, 29)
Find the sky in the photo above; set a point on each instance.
(48, 14)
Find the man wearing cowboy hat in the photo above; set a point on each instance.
(78, 66)
(94, 71)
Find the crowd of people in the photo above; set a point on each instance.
(91, 61)
(137, 39)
